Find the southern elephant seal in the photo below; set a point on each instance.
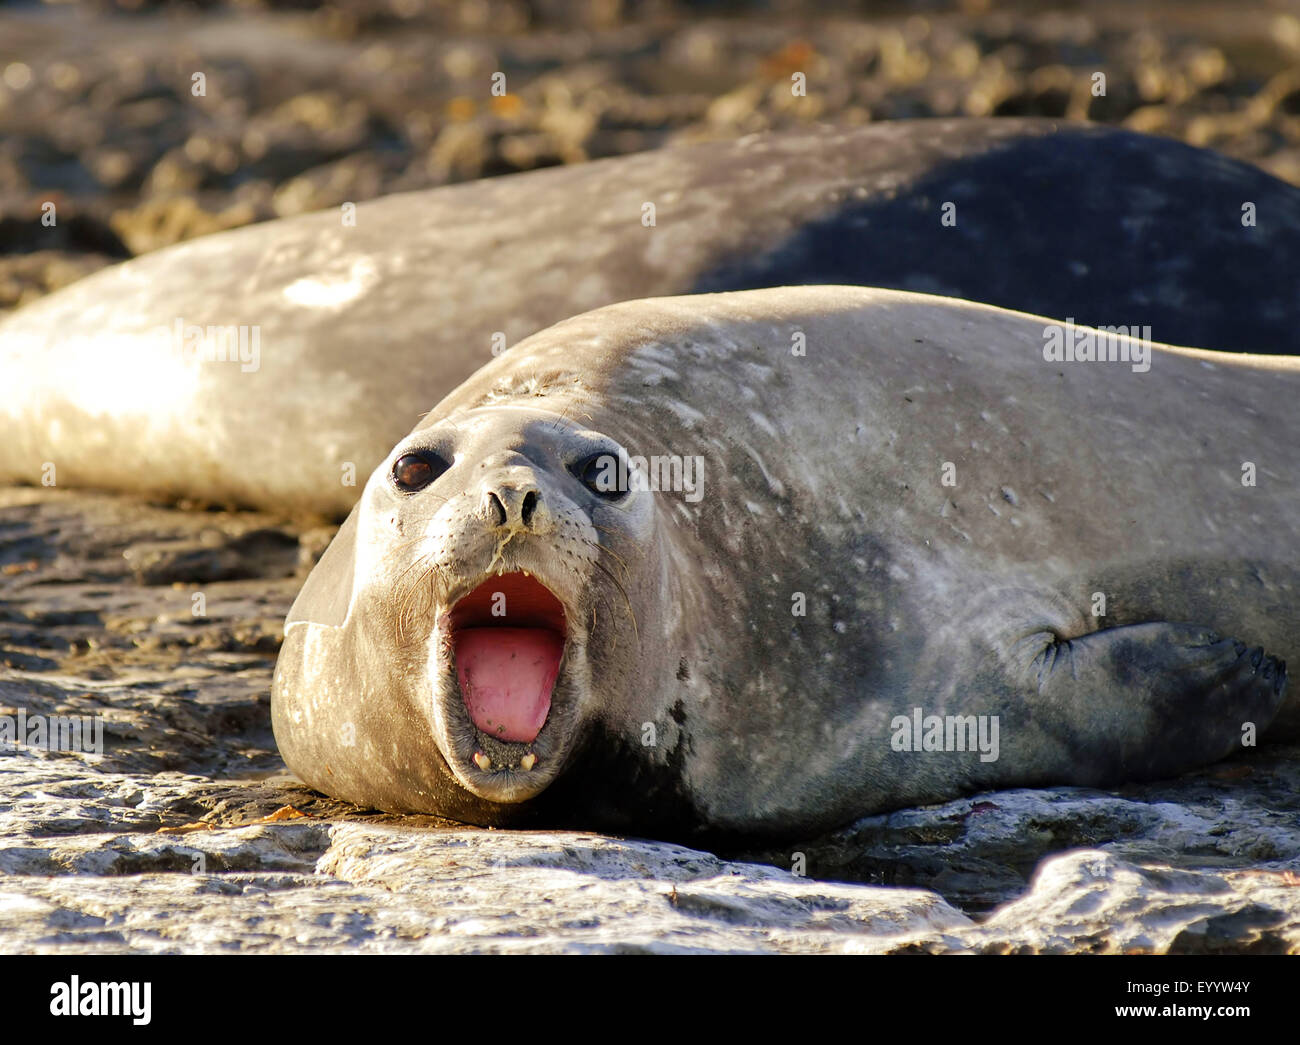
(202, 369)
(912, 555)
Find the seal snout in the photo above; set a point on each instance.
(513, 501)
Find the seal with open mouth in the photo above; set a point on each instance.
(761, 563)
(442, 650)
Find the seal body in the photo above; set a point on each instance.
(201, 369)
(884, 549)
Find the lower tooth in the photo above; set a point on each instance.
(482, 761)
(528, 761)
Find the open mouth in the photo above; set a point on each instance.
(508, 638)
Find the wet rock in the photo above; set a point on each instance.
(1091, 902)
(214, 556)
(981, 852)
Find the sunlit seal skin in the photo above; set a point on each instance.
(903, 510)
(349, 333)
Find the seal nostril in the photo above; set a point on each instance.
(529, 505)
(496, 511)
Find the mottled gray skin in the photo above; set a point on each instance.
(823, 476)
(361, 328)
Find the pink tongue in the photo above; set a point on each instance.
(506, 677)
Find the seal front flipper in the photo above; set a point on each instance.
(1145, 700)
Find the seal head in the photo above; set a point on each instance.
(486, 552)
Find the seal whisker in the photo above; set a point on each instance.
(560, 419)
(564, 416)
(422, 561)
(622, 591)
(604, 598)
(609, 551)
(403, 616)
(428, 599)
(391, 552)
(406, 614)
(419, 560)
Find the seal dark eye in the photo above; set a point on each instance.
(413, 472)
(602, 474)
